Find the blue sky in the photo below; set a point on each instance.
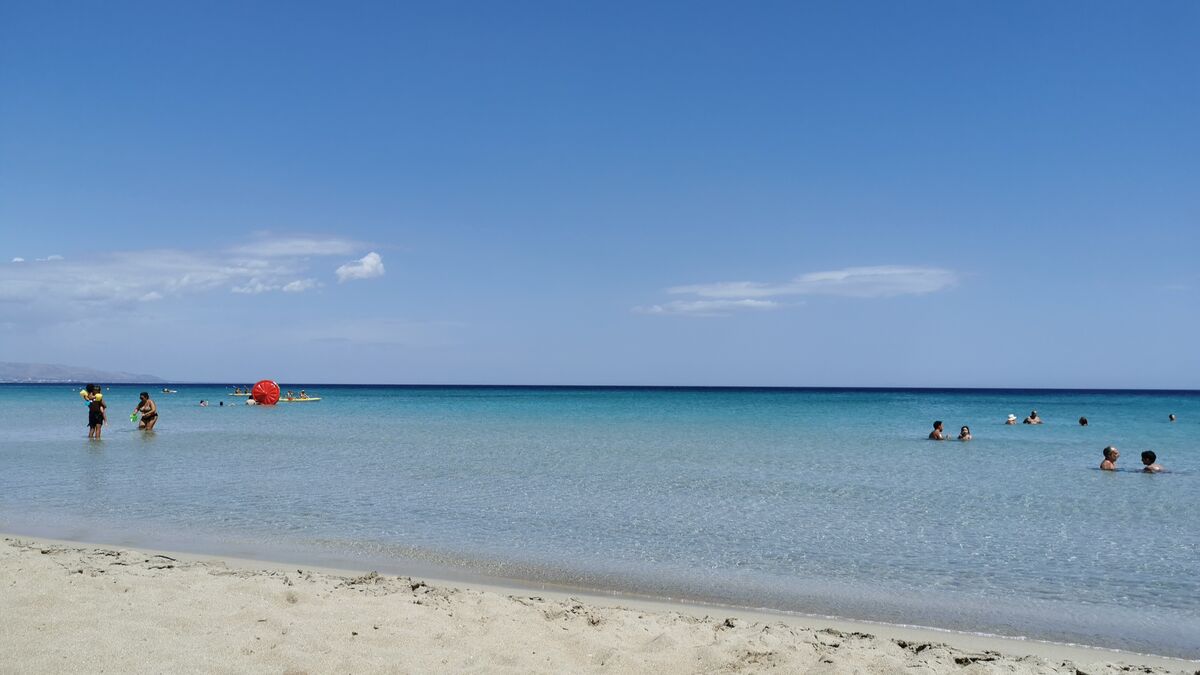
(909, 194)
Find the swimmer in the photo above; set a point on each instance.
(1012, 419)
(1083, 421)
(936, 434)
(1149, 459)
(964, 434)
(1110, 459)
(203, 403)
(149, 411)
(1171, 417)
(1033, 418)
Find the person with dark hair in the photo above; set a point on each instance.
(149, 411)
(1032, 419)
(936, 434)
(1110, 459)
(97, 414)
(1083, 421)
(1171, 417)
(964, 434)
(1149, 459)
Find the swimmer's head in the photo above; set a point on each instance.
(1171, 417)
(144, 395)
(1148, 457)
(965, 430)
(1083, 421)
(1111, 453)
(937, 424)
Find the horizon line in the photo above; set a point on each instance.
(696, 387)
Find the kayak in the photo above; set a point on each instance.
(310, 399)
(246, 395)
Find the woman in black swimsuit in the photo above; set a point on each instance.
(149, 412)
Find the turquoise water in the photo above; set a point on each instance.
(818, 501)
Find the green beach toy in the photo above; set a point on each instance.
(133, 416)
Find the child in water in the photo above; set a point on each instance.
(97, 415)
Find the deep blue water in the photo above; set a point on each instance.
(819, 501)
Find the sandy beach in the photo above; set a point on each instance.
(85, 608)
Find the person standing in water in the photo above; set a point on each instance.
(936, 434)
(149, 411)
(964, 434)
(1150, 461)
(1110, 459)
(1033, 418)
(97, 415)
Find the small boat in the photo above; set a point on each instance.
(245, 395)
(170, 391)
(297, 399)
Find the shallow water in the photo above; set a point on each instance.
(820, 501)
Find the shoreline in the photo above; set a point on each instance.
(956, 645)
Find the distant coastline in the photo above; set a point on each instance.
(53, 373)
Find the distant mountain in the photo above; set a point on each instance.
(50, 372)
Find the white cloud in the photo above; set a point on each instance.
(255, 286)
(707, 307)
(18, 260)
(883, 281)
(96, 285)
(859, 282)
(300, 285)
(366, 267)
(296, 247)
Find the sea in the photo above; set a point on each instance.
(827, 502)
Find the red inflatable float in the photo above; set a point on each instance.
(265, 392)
